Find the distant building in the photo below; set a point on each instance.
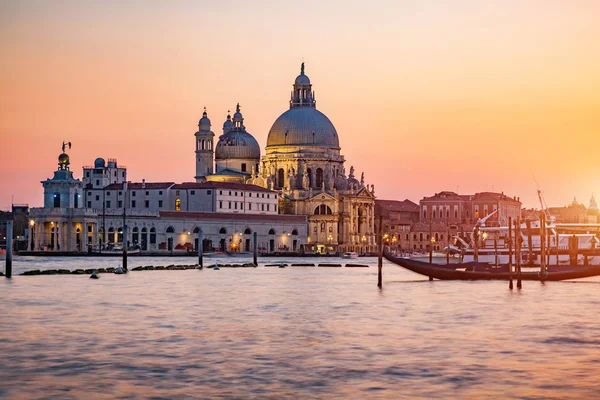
(398, 217)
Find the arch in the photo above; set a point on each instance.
(135, 229)
(319, 180)
(271, 231)
(111, 230)
(144, 230)
(280, 178)
(196, 230)
(170, 229)
(223, 231)
(295, 232)
(248, 231)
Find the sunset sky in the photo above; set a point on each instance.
(425, 95)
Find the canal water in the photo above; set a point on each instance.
(291, 333)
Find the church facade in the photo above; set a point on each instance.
(304, 164)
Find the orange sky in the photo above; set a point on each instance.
(426, 96)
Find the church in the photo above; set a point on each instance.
(303, 163)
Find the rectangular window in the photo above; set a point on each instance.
(87, 174)
(107, 203)
(89, 193)
(230, 192)
(192, 192)
(235, 205)
(235, 194)
(147, 204)
(275, 207)
(97, 197)
(123, 174)
(230, 205)
(249, 206)
(220, 192)
(220, 204)
(243, 167)
(209, 192)
(108, 193)
(160, 192)
(120, 203)
(249, 194)
(262, 207)
(268, 196)
(89, 204)
(160, 204)
(132, 203)
(97, 182)
(177, 193)
(120, 193)
(268, 207)
(147, 193)
(263, 195)
(133, 193)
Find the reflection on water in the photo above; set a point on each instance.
(292, 333)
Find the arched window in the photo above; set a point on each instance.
(170, 229)
(322, 210)
(309, 172)
(295, 232)
(111, 230)
(319, 178)
(280, 178)
(248, 231)
(271, 231)
(223, 231)
(144, 230)
(178, 205)
(437, 237)
(433, 214)
(441, 237)
(152, 235)
(415, 236)
(196, 230)
(420, 236)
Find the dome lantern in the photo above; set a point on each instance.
(302, 95)
(204, 123)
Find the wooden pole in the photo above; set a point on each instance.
(448, 246)
(519, 256)
(9, 246)
(542, 246)
(254, 236)
(380, 260)
(430, 243)
(124, 247)
(476, 244)
(200, 249)
(510, 254)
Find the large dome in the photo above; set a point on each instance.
(237, 144)
(303, 126)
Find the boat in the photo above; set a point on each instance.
(485, 271)
(350, 254)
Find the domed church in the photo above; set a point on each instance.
(303, 162)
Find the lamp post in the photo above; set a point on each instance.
(31, 238)
(432, 239)
(363, 240)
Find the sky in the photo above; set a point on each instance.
(425, 95)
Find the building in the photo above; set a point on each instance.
(303, 164)
(91, 214)
(398, 218)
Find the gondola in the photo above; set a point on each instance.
(482, 271)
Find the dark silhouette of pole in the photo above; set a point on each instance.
(255, 245)
(519, 254)
(124, 226)
(430, 242)
(380, 258)
(200, 249)
(9, 246)
(510, 255)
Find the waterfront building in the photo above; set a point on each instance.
(161, 216)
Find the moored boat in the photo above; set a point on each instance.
(485, 271)
(350, 254)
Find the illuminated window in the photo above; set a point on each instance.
(178, 205)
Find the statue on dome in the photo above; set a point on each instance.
(351, 174)
(362, 179)
(64, 145)
(302, 68)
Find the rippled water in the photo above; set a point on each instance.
(292, 333)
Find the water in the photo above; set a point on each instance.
(292, 333)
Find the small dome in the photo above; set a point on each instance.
(99, 163)
(63, 159)
(237, 144)
(303, 126)
(204, 122)
(227, 125)
(302, 80)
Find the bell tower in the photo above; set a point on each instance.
(204, 149)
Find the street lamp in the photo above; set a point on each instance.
(31, 224)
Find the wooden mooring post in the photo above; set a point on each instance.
(200, 249)
(510, 254)
(254, 239)
(380, 253)
(9, 247)
(519, 255)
